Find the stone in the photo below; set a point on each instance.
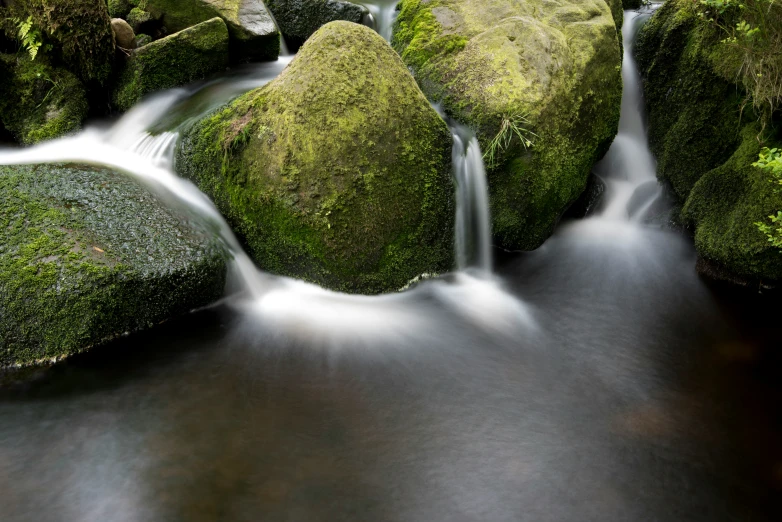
(180, 58)
(336, 172)
(123, 34)
(548, 71)
(88, 254)
(298, 19)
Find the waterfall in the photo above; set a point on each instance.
(473, 225)
(629, 169)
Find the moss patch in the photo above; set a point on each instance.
(559, 65)
(180, 58)
(706, 144)
(37, 101)
(337, 172)
(87, 255)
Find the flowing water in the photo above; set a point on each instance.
(596, 378)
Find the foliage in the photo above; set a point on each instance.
(30, 36)
(753, 28)
(510, 127)
(770, 160)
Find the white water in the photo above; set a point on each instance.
(628, 168)
(381, 17)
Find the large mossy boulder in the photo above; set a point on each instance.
(511, 67)
(38, 101)
(192, 54)
(79, 31)
(337, 172)
(298, 19)
(88, 254)
(705, 141)
(254, 35)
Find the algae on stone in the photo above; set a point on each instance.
(337, 172)
(254, 35)
(183, 57)
(88, 254)
(557, 65)
(706, 142)
(38, 101)
(298, 19)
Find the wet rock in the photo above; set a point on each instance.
(298, 19)
(38, 101)
(180, 58)
(89, 255)
(254, 36)
(543, 76)
(705, 144)
(123, 33)
(337, 172)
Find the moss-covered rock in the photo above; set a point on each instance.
(337, 172)
(88, 254)
(80, 33)
(38, 101)
(298, 19)
(138, 17)
(254, 35)
(121, 8)
(548, 68)
(706, 142)
(180, 58)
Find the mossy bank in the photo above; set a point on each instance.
(337, 172)
(552, 72)
(706, 140)
(88, 254)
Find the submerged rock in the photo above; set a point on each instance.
(337, 172)
(180, 58)
(254, 36)
(38, 101)
(298, 19)
(705, 142)
(88, 254)
(548, 72)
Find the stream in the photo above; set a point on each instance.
(595, 378)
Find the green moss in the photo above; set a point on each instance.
(694, 114)
(180, 58)
(87, 255)
(298, 19)
(706, 143)
(80, 31)
(557, 65)
(337, 172)
(39, 102)
(137, 17)
(724, 205)
(254, 36)
(121, 8)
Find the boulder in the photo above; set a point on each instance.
(298, 19)
(177, 59)
(38, 101)
(337, 171)
(121, 8)
(543, 78)
(79, 31)
(123, 33)
(137, 18)
(705, 141)
(88, 254)
(254, 35)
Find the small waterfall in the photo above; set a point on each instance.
(473, 225)
(381, 17)
(629, 169)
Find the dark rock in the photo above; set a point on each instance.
(298, 19)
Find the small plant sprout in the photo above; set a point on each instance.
(510, 127)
